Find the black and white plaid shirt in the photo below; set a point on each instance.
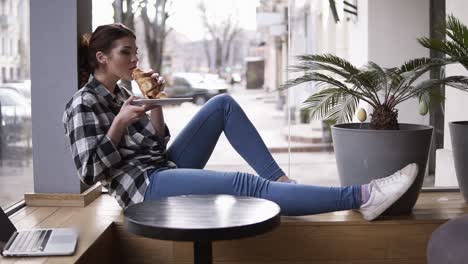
(123, 168)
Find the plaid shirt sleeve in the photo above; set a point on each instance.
(93, 152)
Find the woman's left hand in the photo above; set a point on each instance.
(160, 82)
(159, 79)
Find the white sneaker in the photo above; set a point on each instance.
(384, 192)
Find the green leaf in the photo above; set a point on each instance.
(320, 103)
(332, 104)
(344, 111)
(458, 82)
(456, 44)
(457, 32)
(418, 63)
(313, 77)
(331, 60)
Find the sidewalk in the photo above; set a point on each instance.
(272, 124)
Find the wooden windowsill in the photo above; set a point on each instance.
(92, 222)
(325, 236)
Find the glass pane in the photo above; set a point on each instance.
(243, 48)
(15, 100)
(333, 27)
(312, 157)
(223, 48)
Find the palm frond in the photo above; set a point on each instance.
(382, 76)
(458, 82)
(411, 71)
(428, 87)
(423, 87)
(306, 66)
(417, 63)
(450, 48)
(332, 104)
(434, 44)
(457, 32)
(456, 45)
(313, 77)
(368, 82)
(321, 102)
(329, 59)
(344, 111)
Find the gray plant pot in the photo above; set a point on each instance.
(364, 154)
(459, 136)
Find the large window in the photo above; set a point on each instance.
(222, 48)
(15, 100)
(239, 47)
(244, 48)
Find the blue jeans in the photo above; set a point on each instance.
(193, 147)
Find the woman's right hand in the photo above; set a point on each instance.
(130, 113)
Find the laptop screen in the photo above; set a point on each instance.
(6, 229)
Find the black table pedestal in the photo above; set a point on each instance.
(202, 252)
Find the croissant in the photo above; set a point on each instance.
(148, 85)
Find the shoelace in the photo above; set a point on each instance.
(375, 184)
(388, 179)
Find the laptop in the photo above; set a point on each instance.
(35, 242)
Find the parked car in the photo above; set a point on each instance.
(201, 87)
(22, 87)
(16, 115)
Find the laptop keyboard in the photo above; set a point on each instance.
(31, 241)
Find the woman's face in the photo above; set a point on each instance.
(122, 58)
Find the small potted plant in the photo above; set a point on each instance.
(367, 151)
(456, 49)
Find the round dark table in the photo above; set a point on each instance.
(202, 219)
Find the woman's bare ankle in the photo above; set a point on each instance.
(283, 178)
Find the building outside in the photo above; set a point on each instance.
(14, 42)
(185, 55)
(272, 25)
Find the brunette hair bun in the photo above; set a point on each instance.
(102, 39)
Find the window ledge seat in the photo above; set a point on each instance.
(334, 238)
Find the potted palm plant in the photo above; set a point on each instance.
(456, 49)
(367, 151)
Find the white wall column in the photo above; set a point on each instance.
(54, 78)
(393, 29)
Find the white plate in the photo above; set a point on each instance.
(163, 101)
